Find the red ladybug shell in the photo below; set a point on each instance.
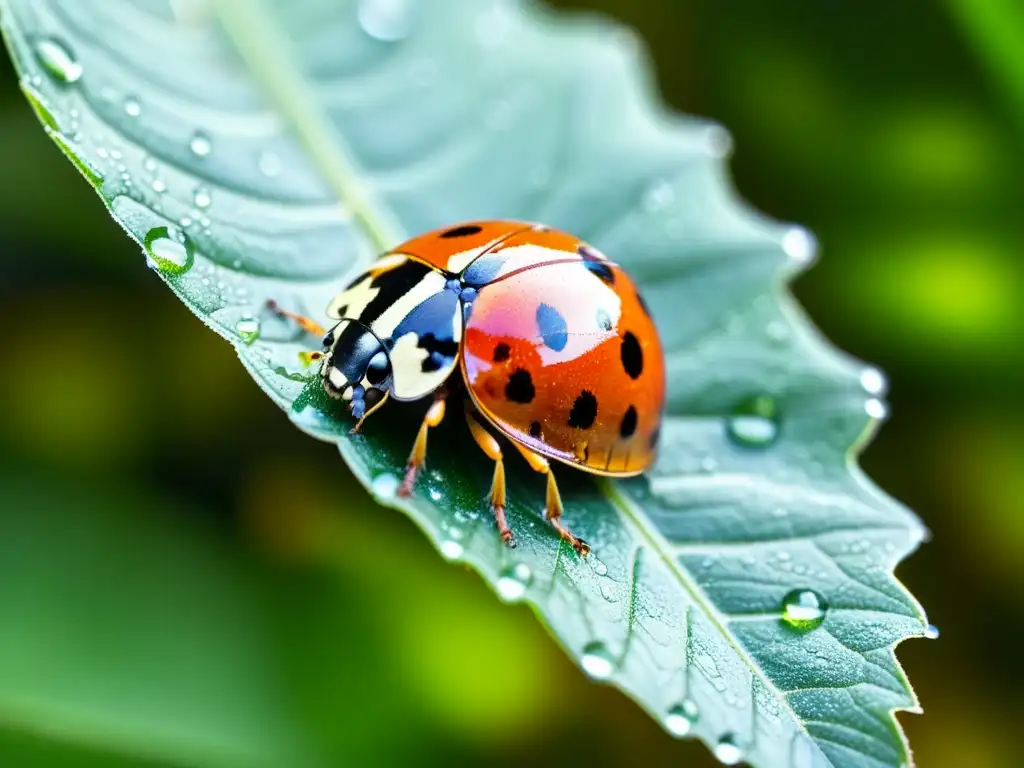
(558, 351)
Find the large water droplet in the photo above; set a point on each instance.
(754, 422)
(248, 328)
(597, 661)
(728, 750)
(681, 718)
(132, 107)
(804, 609)
(387, 20)
(58, 60)
(201, 198)
(200, 144)
(931, 632)
(159, 186)
(513, 581)
(169, 250)
(384, 485)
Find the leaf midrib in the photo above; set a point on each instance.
(265, 53)
(629, 510)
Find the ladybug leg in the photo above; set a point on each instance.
(435, 415)
(490, 446)
(309, 326)
(553, 503)
(359, 410)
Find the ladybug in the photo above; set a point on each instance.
(556, 349)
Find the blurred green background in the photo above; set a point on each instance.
(185, 579)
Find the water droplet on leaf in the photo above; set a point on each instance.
(169, 250)
(248, 328)
(754, 422)
(200, 144)
(451, 550)
(513, 581)
(132, 107)
(681, 718)
(931, 632)
(384, 485)
(804, 609)
(269, 164)
(58, 60)
(201, 198)
(799, 245)
(728, 750)
(597, 661)
(873, 381)
(386, 20)
(876, 408)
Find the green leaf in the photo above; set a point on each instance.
(742, 592)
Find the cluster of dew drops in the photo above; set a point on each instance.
(753, 424)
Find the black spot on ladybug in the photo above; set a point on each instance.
(632, 356)
(593, 261)
(628, 424)
(464, 231)
(552, 327)
(501, 352)
(643, 304)
(584, 411)
(534, 429)
(520, 386)
(604, 320)
(655, 435)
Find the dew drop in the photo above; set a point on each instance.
(149, 165)
(200, 144)
(804, 609)
(513, 581)
(799, 245)
(248, 328)
(451, 550)
(269, 164)
(58, 60)
(159, 186)
(728, 750)
(931, 632)
(876, 408)
(435, 494)
(597, 661)
(201, 198)
(386, 20)
(680, 720)
(717, 141)
(754, 422)
(384, 485)
(873, 381)
(169, 250)
(132, 107)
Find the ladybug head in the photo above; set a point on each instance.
(355, 366)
